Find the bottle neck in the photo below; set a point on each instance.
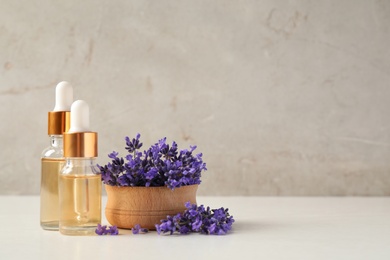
(80, 159)
(56, 141)
(80, 166)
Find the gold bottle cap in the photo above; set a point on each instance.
(81, 144)
(59, 118)
(58, 122)
(79, 141)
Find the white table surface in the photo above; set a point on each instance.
(265, 228)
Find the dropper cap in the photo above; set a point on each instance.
(59, 118)
(79, 141)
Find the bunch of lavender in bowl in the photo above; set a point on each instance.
(160, 165)
(144, 187)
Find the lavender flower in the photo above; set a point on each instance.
(197, 219)
(102, 230)
(113, 231)
(161, 165)
(137, 229)
(134, 144)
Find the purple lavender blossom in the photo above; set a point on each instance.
(134, 144)
(113, 230)
(197, 219)
(161, 165)
(103, 230)
(137, 229)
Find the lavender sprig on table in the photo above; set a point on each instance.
(197, 219)
(194, 219)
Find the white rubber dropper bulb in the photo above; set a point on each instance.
(79, 117)
(64, 96)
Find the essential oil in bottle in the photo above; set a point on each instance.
(52, 159)
(80, 184)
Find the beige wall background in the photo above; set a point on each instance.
(282, 97)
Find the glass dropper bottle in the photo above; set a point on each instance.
(80, 184)
(52, 158)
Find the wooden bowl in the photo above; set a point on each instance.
(146, 206)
